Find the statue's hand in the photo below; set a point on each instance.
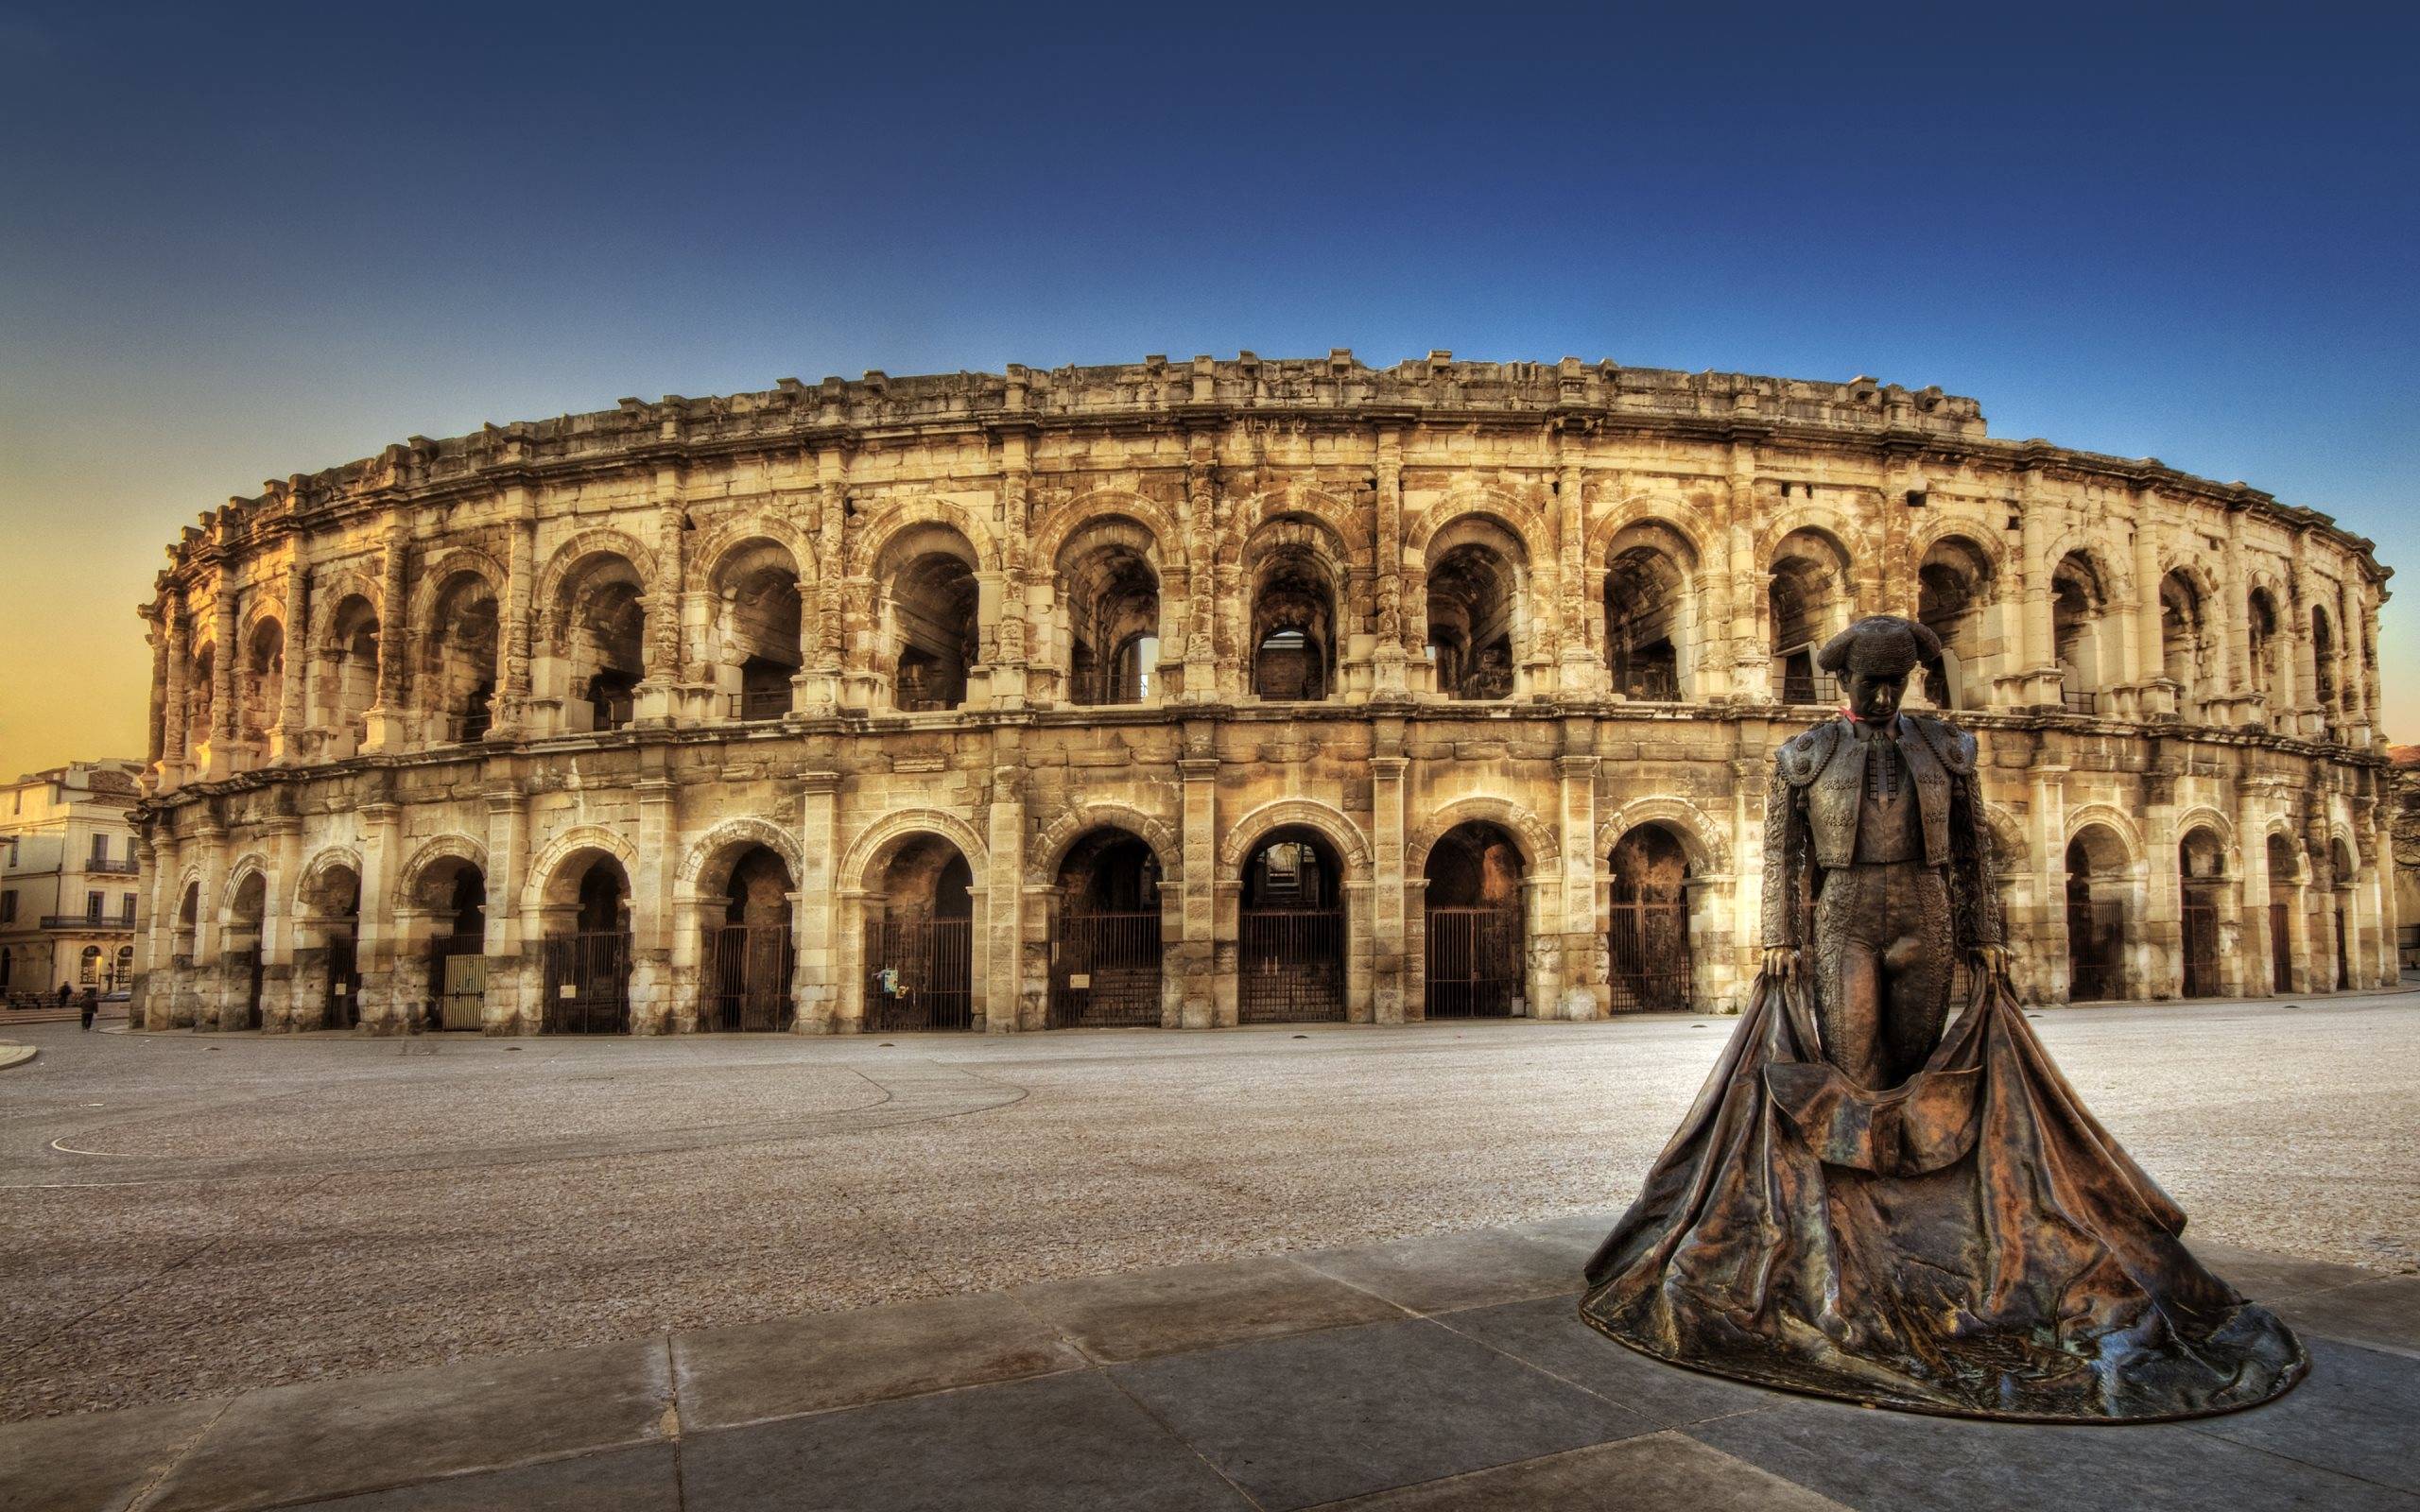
(1992, 961)
(1781, 961)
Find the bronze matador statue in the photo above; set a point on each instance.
(1863, 1206)
(1875, 813)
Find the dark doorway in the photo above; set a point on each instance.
(1105, 935)
(2201, 857)
(1648, 930)
(1290, 944)
(745, 971)
(2095, 921)
(920, 952)
(588, 967)
(1474, 953)
(457, 957)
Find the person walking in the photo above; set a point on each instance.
(92, 1006)
(64, 993)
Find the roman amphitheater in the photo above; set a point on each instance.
(1209, 693)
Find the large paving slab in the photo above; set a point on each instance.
(95, 1462)
(1661, 1472)
(1178, 1308)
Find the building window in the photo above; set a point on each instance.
(101, 847)
(125, 966)
(8, 965)
(89, 969)
(126, 912)
(93, 904)
(9, 907)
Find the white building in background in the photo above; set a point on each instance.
(69, 878)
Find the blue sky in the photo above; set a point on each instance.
(241, 241)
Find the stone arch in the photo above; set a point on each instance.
(1066, 520)
(1973, 531)
(1842, 532)
(576, 553)
(1701, 837)
(875, 533)
(876, 841)
(570, 843)
(1309, 814)
(2009, 848)
(442, 847)
(712, 848)
(260, 604)
(1528, 525)
(1319, 536)
(329, 593)
(1301, 501)
(1541, 850)
(1078, 819)
(2107, 569)
(2203, 816)
(323, 862)
(1668, 511)
(728, 533)
(248, 864)
(457, 560)
(2281, 828)
(2128, 834)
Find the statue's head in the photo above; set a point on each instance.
(1873, 658)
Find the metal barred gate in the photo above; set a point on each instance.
(248, 962)
(1105, 969)
(1289, 966)
(2281, 949)
(2096, 948)
(919, 975)
(2201, 946)
(588, 983)
(343, 1007)
(744, 979)
(1648, 957)
(1472, 958)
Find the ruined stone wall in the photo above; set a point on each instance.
(520, 652)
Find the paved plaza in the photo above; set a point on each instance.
(657, 1228)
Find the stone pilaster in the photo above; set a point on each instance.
(1391, 963)
(510, 1004)
(292, 719)
(513, 647)
(386, 721)
(1206, 967)
(385, 1004)
(1387, 536)
(999, 977)
(816, 923)
(1582, 992)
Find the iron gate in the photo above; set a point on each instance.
(745, 983)
(1474, 962)
(588, 983)
(2344, 949)
(343, 1009)
(919, 975)
(1105, 969)
(1291, 966)
(1648, 957)
(2096, 948)
(2201, 946)
(249, 963)
(2281, 950)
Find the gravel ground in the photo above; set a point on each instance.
(186, 1216)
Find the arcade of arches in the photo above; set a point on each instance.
(1232, 692)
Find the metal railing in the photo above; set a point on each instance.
(758, 703)
(2080, 701)
(85, 922)
(112, 865)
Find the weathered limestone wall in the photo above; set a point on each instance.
(519, 652)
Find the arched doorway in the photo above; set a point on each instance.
(1294, 623)
(453, 893)
(1105, 935)
(2341, 868)
(754, 640)
(1108, 612)
(333, 912)
(1806, 596)
(920, 940)
(1953, 588)
(1474, 953)
(2285, 879)
(930, 635)
(744, 983)
(588, 948)
(244, 969)
(459, 660)
(1474, 573)
(2201, 879)
(1290, 931)
(2096, 916)
(1648, 933)
(2079, 612)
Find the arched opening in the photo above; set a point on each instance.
(920, 940)
(201, 686)
(2079, 610)
(452, 893)
(1293, 626)
(600, 634)
(7, 967)
(459, 663)
(2323, 660)
(2200, 865)
(188, 923)
(348, 671)
(245, 970)
(931, 606)
(1105, 934)
(88, 968)
(2342, 874)
(1648, 962)
(2260, 645)
(1953, 589)
(2097, 916)
(331, 924)
(1110, 598)
(1476, 953)
(588, 947)
(2285, 885)
(1646, 601)
(1806, 597)
(1290, 931)
(744, 981)
(122, 970)
(1474, 571)
(262, 697)
(2183, 640)
(758, 614)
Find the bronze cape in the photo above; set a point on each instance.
(1969, 1243)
